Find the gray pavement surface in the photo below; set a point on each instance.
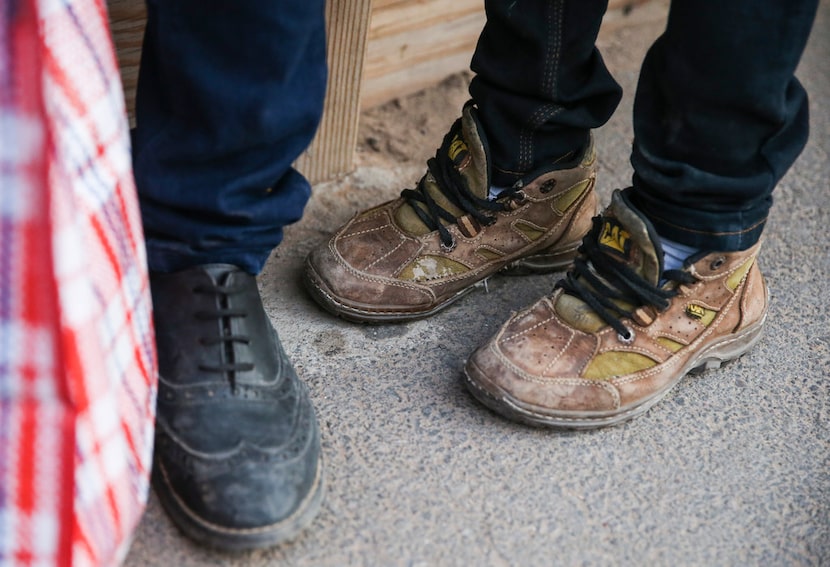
(732, 468)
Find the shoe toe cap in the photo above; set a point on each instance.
(243, 491)
(337, 282)
(502, 380)
(250, 496)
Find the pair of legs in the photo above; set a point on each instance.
(719, 117)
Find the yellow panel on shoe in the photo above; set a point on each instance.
(488, 254)
(531, 231)
(564, 201)
(610, 364)
(670, 344)
(735, 279)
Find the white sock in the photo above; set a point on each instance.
(675, 253)
(495, 192)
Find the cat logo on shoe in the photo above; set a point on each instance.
(695, 311)
(614, 237)
(458, 151)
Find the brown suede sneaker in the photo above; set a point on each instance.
(413, 256)
(612, 339)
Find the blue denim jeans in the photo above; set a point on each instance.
(719, 116)
(230, 93)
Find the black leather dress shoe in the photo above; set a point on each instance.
(237, 455)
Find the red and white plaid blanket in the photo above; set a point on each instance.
(77, 359)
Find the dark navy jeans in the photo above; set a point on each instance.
(230, 93)
(718, 117)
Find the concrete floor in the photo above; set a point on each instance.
(732, 468)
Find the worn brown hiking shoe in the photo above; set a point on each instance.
(413, 256)
(612, 339)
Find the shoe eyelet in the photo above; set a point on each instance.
(520, 197)
(626, 340)
(547, 186)
(449, 248)
(717, 263)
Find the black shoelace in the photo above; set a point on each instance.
(597, 279)
(455, 187)
(224, 313)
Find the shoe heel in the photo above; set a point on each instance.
(727, 351)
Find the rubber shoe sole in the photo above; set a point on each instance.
(535, 264)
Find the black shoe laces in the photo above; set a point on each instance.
(455, 187)
(598, 278)
(225, 314)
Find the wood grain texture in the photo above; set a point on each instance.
(332, 151)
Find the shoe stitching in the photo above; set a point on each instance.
(372, 265)
(706, 232)
(695, 344)
(506, 259)
(376, 279)
(300, 436)
(550, 419)
(700, 302)
(738, 265)
(606, 348)
(692, 361)
(362, 232)
(347, 309)
(562, 351)
(553, 381)
(529, 329)
(521, 252)
(545, 242)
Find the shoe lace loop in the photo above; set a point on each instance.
(454, 186)
(598, 279)
(227, 338)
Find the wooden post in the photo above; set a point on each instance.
(332, 151)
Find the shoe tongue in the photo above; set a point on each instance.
(626, 235)
(629, 236)
(219, 272)
(465, 147)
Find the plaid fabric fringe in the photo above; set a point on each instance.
(77, 359)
